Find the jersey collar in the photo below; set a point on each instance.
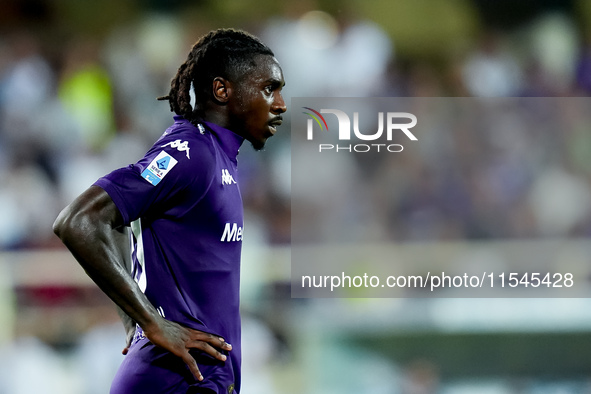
(229, 140)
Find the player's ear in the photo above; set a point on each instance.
(222, 89)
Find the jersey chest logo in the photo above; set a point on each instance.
(232, 232)
(227, 178)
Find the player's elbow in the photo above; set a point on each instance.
(76, 222)
(67, 222)
(58, 225)
(92, 214)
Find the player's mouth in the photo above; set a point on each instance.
(274, 123)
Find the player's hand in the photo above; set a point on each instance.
(179, 340)
(130, 334)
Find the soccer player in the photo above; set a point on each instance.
(183, 205)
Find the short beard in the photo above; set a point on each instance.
(257, 145)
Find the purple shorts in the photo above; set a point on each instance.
(148, 368)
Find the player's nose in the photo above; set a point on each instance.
(279, 106)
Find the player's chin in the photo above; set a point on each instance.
(258, 144)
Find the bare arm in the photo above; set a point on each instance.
(123, 245)
(121, 238)
(91, 229)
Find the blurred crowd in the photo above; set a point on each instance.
(71, 114)
(505, 169)
(91, 107)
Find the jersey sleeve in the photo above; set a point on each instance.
(166, 174)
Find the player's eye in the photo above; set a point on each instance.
(269, 89)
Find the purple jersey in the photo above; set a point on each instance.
(184, 207)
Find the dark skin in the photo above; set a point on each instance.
(92, 227)
(252, 106)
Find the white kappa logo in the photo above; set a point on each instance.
(227, 177)
(182, 146)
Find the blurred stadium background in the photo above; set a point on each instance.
(78, 82)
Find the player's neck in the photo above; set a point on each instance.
(218, 118)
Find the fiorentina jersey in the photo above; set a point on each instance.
(184, 208)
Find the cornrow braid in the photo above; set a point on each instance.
(226, 53)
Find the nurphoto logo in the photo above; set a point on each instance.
(392, 129)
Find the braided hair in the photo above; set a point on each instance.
(225, 53)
